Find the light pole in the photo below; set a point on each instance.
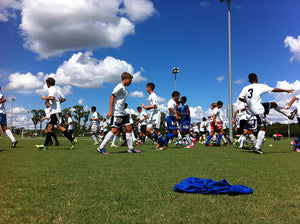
(229, 70)
(175, 70)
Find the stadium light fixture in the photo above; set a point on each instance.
(13, 98)
(175, 70)
(229, 71)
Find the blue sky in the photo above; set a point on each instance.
(86, 45)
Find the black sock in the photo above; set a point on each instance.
(48, 139)
(68, 136)
(54, 136)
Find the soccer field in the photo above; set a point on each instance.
(83, 186)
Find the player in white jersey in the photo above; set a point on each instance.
(203, 130)
(3, 122)
(47, 117)
(56, 98)
(142, 121)
(95, 123)
(118, 116)
(217, 124)
(155, 115)
(172, 118)
(251, 95)
(70, 123)
(296, 100)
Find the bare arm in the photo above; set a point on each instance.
(282, 90)
(148, 107)
(291, 102)
(111, 103)
(2, 100)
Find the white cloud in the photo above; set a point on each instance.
(81, 70)
(294, 45)
(138, 94)
(161, 100)
(52, 27)
(138, 10)
(24, 81)
(81, 101)
(196, 113)
(205, 3)
(240, 81)
(220, 78)
(7, 9)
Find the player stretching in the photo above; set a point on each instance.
(118, 115)
(251, 95)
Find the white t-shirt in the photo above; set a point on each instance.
(171, 104)
(252, 94)
(2, 107)
(142, 117)
(104, 125)
(55, 103)
(70, 121)
(243, 114)
(203, 125)
(47, 112)
(127, 111)
(95, 116)
(120, 93)
(218, 114)
(153, 100)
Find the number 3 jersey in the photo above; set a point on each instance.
(252, 94)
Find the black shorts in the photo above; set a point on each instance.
(119, 121)
(56, 119)
(144, 128)
(243, 126)
(261, 121)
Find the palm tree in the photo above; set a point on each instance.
(79, 111)
(35, 118)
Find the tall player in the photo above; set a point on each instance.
(251, 95)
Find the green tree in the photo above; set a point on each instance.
(35, 118)
(79, 114)
(40, 115)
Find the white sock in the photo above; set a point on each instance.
(133, 136)
(260, 139)
(243, 140)
(129, 140)
(224, 139)
(114, 140)
(106, 140)
(253, 139)
(94, 138)
(187, 137)
(283, 111)
(10, 135)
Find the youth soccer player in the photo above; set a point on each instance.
(95, 123)
(155, 115)
(55, 97)
(70, 123)
(118, 115)
(3, 121)
(251, 95)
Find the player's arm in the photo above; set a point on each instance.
(234, 117)
(174, 112)
(291, 102)
(242, 99)
(148, 107)
(2, 100)
(111, 104)
(283, 90)
(48, 98)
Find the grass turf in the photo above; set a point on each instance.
(83, 186)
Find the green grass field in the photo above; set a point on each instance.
(83, 186)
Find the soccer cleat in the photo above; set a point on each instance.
(293, 113)
(158, 146)
(297, 150)
(206, 144)
(138, 144)
(258, 151)
(96, 143)
(103, 151)
(56, 143)
(50, 143)
(72, 147)
(41, 147)
(134, 151)
(293, 144)
(194, 140)
(189, 147)
(13, 144)
(113, 145)
(74, 142)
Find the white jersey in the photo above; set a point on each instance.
(153, 100)
(195, 128)
(218, 114)
(95, 116)
(70, 121)
(142, 117)
(120, 93)
(244, 114)
(47, 112)
(203, 126)
(127, 111)
(104, 125)
(252, 94)
(2, 107)
(55, 103)
(171, 104)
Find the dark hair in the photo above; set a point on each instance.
(93, 108)
(50, 81)
(138, 108)
(125, 105)
(69, 114)
(126, 75)
(175, 93)
(184, 99)
(151, 85)
(204, 119)
(252, 77)
(219, 103)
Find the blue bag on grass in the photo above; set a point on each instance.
(209, 186)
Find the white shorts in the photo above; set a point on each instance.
(94, 128)
(154, 120)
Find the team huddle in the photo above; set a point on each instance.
(249, 119)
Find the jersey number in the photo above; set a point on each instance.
(251, 93)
